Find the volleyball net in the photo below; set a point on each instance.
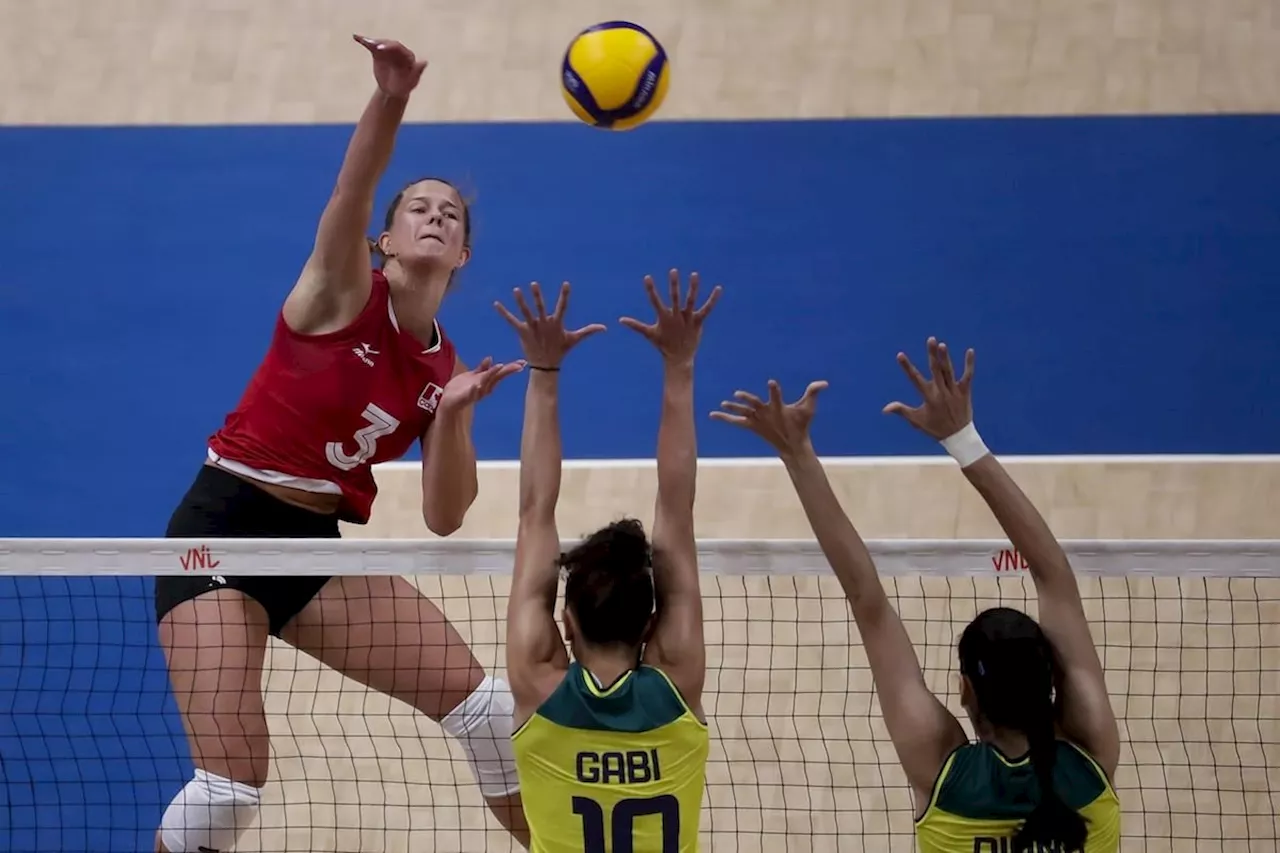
(91, 748)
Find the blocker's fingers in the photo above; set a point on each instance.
(912, 373)
(651, 290)
(508, 316)
(538, 301)
(736, 408)
(562, 302)
(702, 312)
(775, 394)
(523, 305)
(812, 391)
(736, 420)
(691, 298)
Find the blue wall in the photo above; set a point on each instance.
(1117, 276)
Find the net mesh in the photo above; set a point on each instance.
(91, 749)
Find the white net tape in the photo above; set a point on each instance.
(1167, 558)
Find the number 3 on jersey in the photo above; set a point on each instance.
(380, 424)
(622, 819)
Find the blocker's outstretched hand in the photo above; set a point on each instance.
(543, 336)
(947, 407)
(785, 426)
(395, 67)
(678, 329)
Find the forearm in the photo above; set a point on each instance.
(371, 145)
(449, 482)
(836, 535)
(540, 450)
(1021, 521)
(677, 441)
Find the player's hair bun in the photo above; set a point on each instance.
(608, 583)
(621, 548)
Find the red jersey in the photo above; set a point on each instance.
(322, 408)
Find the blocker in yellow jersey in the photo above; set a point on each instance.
(616, 769)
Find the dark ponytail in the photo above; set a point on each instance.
(1052, 825)
(1009, 662)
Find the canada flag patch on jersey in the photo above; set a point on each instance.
(430, 397)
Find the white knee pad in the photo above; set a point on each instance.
(482, 726)
(208, 815)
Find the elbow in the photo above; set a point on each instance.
(445, 507)
(443, 524)
(445, 520)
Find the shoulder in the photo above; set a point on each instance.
(1080, 764)
(375, 310)
(655, 680)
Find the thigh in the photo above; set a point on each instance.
(382, 632)
(215, 646)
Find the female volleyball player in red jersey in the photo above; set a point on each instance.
(358, 369)
(1039, 776)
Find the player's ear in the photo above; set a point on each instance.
(464, 257)
(384, 244)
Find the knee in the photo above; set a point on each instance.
(482, 724)
(235, 746)
(210, 813)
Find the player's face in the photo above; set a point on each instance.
(429, 226)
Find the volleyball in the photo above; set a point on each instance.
(615, 75)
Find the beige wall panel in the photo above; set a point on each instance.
(233, 61)
(1123, 498)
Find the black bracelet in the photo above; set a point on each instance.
(544, 369)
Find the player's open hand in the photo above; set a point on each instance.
(471, 386)
(678, 329)
(785, 426)
(948, 403)
(543, 336)
(395, 67)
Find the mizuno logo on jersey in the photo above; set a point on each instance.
(363, 352)
(430, 397)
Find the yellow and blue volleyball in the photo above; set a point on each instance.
(615, 75)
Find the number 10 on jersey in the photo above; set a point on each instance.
(621, 822)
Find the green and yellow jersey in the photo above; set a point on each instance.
(613, 769)
(981, 797)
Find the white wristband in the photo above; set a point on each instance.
(966, 446)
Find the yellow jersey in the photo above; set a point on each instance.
(980, 798)
(617, 769)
